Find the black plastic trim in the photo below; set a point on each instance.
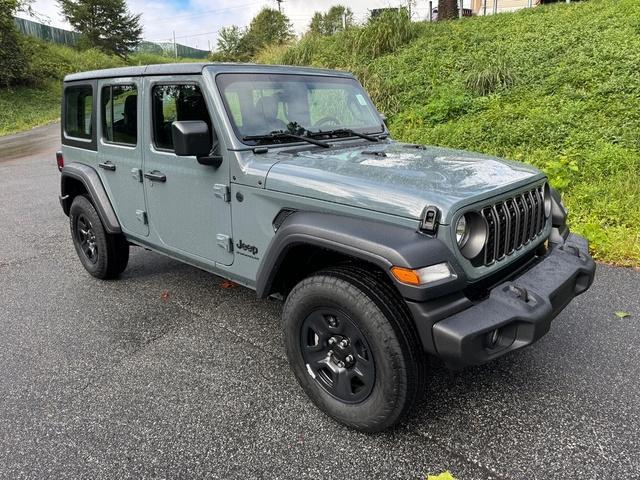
(520, 309)
(92, 183)
(384, 245)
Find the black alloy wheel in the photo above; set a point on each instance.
(337, 355)
(86, 238)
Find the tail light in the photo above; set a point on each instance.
(59, 160)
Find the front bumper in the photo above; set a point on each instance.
(517, 312)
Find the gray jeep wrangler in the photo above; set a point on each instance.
(285, 180)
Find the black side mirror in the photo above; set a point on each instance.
(191, 138)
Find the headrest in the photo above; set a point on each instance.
(268, 106)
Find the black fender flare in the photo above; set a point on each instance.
(381, 244)
(92, 183)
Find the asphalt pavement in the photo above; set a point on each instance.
(166, 374)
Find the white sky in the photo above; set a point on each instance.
(196, 22)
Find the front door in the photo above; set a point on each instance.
(188, 209)
(120, 151)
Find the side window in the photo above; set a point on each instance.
(78, 101)
(120, 114)
(174, 103)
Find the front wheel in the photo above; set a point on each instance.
(103, 255)
(352, 348)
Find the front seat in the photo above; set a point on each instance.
(267, 107)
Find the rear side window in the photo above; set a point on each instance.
(78, 110)
(174, 103)
(120, 114)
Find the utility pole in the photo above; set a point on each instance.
(431, 10)
(279, 8)
(175, 46)
(344, 20)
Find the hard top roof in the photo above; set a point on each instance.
(195, 69)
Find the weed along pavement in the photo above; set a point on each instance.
(171, 373)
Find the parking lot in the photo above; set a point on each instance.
(166, 374)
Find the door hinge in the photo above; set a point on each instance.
(225, 242)
(222, 191)
(137, 174)
(142, 216)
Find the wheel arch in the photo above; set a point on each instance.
(309, 241)
(80, 179)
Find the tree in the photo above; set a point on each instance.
(104, 24)
(230, 41)
(331, 22)
(13, 56)
(447, 9)
(269, 27)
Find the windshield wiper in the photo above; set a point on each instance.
(345, 131)
(283, 135)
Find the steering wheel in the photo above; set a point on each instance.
(327, 119)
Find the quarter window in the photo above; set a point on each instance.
(175, 103)
(78, 110)
(120, 114)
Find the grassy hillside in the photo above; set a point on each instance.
(556, 86)
(38, 101)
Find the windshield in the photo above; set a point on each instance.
(260, 104)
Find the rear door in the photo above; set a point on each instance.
(188, 203)
(120, 151)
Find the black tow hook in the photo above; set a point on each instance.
(520, 292)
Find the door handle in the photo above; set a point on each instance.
(107, 166)
(156, 176)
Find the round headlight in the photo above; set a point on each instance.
(547, 200)
(462, 231)
(471, 234)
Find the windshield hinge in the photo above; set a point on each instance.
(222, 191)
(430, 219)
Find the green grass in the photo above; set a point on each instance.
(22, 108)
(38, 101)
(555, 86)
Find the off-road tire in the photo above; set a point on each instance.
(376, 309)
(111, 251)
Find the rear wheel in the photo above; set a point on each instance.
(353, 348)
(103, 255)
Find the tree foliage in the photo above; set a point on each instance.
(104, 24)
(331, 22)
(230, 41)
(269, 27)
(13, 57)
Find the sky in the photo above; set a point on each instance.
(196, 22)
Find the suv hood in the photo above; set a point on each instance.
(398, 179)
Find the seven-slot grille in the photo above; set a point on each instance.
(512, 223)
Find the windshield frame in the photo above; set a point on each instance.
(380, 128)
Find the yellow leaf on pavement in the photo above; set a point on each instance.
(443, 476)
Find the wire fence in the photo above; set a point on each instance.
(70, 38)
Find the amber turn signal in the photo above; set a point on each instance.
(422, 276)
(406, 275)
